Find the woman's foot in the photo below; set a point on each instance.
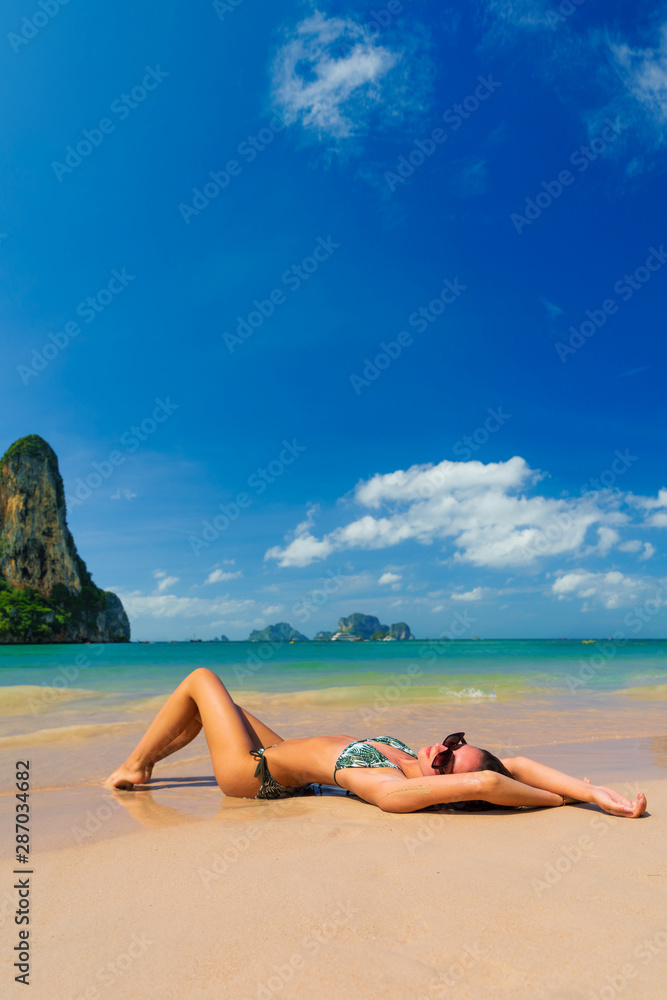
(130, 774)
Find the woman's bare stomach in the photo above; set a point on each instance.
(313, 759)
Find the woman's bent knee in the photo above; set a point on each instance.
(202, 673)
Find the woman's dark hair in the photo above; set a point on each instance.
(490, 763)
(487, 762)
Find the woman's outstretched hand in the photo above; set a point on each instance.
(616, 804)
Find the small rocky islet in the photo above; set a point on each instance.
(355, 626)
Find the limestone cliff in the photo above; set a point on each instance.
(46, 591)
(280, 632)
(368, 626)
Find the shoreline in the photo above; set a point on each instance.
(70, 763)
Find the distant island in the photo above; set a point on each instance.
(355, 627)
(47, 594)
(280, 632)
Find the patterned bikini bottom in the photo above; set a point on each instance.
(270, 788)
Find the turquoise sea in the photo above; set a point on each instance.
(453, 671)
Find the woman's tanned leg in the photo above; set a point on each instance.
(201, 695)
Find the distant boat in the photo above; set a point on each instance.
(589, 640)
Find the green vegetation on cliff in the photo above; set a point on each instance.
(25, 615)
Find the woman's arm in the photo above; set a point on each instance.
(403, 795)
(530, 772)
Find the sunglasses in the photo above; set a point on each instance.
(442, 759)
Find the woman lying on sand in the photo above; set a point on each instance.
(381, 770)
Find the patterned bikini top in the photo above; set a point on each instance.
(361, 753)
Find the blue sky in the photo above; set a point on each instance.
(330, 308)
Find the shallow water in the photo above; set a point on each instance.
(501, 669)
(595, 709)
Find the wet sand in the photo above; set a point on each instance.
(175, 890)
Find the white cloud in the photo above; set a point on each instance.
(482, 510)
(218, 575)
(658, 517)
(633, 545)
(389, 578)
(169, 606)
(650, 503)
(607, 539)
(612, 589)
(126, 494)
(332, 76)
(273, 609)
(525, 14)
(165, 581)
(646, 551)
(645, 74)
(476, 594)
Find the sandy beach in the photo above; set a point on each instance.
(175, 890)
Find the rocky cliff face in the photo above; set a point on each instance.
(280, 632)
(46, 591)
(366, 626)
